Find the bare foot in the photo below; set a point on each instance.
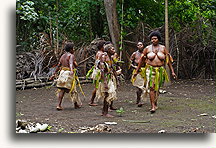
(152, 111)
(112, 108)
(107, 115)
(59, 108)
(140, 105)
(137, 102)
(93, 104)
(109, 110)
(76, 106)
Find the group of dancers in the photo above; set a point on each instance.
(148, 75)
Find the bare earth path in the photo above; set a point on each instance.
(187, 107)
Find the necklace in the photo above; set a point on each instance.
(155, 49)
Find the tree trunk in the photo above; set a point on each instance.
(111, 14)
(50, 23)
(57, 33)
(167, 34)
(166, 26)
(90, 24)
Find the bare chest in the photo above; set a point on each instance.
(98, 55)
(155, 53)
(137, 57)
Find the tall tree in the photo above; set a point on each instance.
(167, 33)
(166, 26)
(57, 31)
(111, 14)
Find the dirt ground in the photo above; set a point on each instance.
(187, 107)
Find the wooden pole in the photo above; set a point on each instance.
(167, 36)
(166, 26)
(57, 33)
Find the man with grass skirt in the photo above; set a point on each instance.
(67, 78)
(139, 81)
(94, 72)
(108, 82)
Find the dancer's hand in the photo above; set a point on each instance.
(52, 77)
(135, 67)
(174, 75)
(71, 72)
(135, 74)
(118, 72)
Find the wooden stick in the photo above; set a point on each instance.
(85, 60)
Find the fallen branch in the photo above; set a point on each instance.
(42, 81)
(137, 121)
(85, 60)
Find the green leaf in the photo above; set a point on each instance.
(60, 130)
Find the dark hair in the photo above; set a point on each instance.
(140, 42)
(100, 44)
(107, 42)
(155, 33)
(107, 47)
(68, 46)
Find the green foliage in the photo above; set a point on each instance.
(26, 10)
(60, 130)
(83, 20)
(150, 12)
(49, 127)
(19, 114)
(77, 20)
(185, 12)
(120, 111)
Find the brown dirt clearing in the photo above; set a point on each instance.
(180, 109)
